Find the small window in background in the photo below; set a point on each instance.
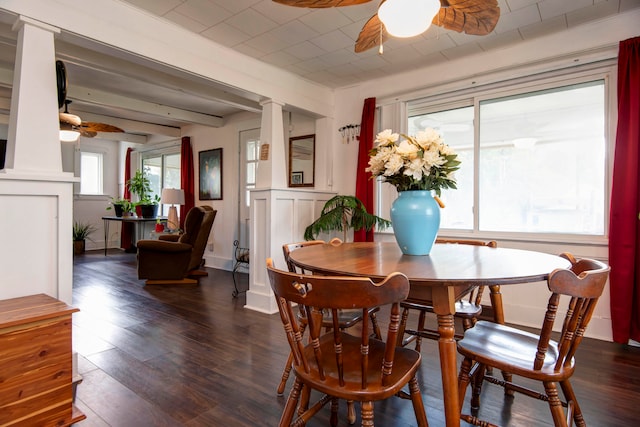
(91, 173)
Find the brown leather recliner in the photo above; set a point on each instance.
(173, 258)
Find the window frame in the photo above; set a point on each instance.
(468, 97)
(78, 168)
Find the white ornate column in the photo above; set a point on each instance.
(35, 194)
(278, 214)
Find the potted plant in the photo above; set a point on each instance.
(341, 213)
(146, 206)
(121, 207)
(81, 232)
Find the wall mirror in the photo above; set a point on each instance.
(302, 160)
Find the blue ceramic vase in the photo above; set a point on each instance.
(415, 217)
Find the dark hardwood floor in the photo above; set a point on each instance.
(191, 355)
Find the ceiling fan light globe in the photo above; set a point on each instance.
(69, 135)
(408, 18)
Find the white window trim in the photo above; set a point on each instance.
(603, 70)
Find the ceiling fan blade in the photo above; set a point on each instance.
(99, 127)
(475, 17)
(87, 134)
(320, 3)
(370, 35)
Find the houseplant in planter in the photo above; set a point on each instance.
(146, 206)
(341, 213)
(81, 232)
(121, 207)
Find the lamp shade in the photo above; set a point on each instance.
(172, 196)
(408, 18)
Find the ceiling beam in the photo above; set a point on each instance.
(191, 85)
(97, 97)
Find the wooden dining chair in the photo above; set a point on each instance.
(335, 363)
(346, 318)
(537, 356)
(468, 309)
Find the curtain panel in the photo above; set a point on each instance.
(186, 178)
(364, 184)
(624, 226)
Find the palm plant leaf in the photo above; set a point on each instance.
(340, 213)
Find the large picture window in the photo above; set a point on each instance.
(163, 171)
(533, 161)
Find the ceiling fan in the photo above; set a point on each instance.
(475, 17)
(71, 122)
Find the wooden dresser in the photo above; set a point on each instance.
(36, 363)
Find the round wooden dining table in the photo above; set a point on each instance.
(438, 279)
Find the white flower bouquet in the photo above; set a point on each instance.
(420, 162)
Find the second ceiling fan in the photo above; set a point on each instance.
(71, 122)
(475, 17)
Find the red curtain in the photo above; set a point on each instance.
(126, 232)
(364, 185)
(186, 178)
(624, 226)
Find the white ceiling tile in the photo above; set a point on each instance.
(249, 50)
(373, 62)
(497, 41)
(157, 7)
(267, 43)
(339, 57)
(225, 34)
(235, 6)
(185, 21)
(460, 51)
(332, 41)
(280, 58)
(553, 8)
(294, 32)
(312, 65)
(512, 20)
(598, 11)
(548, 26)
(305, 50)
(426, 47)
(280, 13)
(325, 20)
(361, 11)
(513, 5)
(203, 11)
(252, 22)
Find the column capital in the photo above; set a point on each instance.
(22, 20)
(267, 101)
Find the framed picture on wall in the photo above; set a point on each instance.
(210, 184)
(297, 178)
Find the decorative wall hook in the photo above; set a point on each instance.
(349, 133)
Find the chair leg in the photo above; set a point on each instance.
(367, 414)
(421, 322)
(403, 327)
(464, 379)
(290, 406)
(477, 380)
(569, 395)
(333, 421)
(557, 412)
(418, 405)
(285, 375)
(376, 327)
(351, 412)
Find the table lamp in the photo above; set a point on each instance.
(172, 196)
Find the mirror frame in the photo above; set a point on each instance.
(293, 182)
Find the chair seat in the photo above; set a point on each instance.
(511, 350)
(405, 365)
